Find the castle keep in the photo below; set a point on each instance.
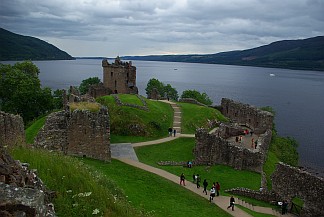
(119, 77)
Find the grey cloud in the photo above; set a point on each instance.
(203, 26)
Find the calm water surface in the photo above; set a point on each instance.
(297, 96)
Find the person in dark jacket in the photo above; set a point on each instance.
(232, 202)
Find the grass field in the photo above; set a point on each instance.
(154, 194)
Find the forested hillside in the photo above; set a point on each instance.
(19, 47)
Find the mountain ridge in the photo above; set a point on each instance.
(19, 47)
(305, 54)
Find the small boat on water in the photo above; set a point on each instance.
(175, 69)
(272, 75)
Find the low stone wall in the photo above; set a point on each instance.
(248, 115)
(172, 163)
(267, 196)
(12, 130)
(22, 193)
(211, 149)
(227, 130)
(290, 182)
(80, 133)
(120, 103)
(192, 101)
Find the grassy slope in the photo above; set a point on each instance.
(181, 150)
(195, 116)
(155, 194)
(69, 177)
(253, 213)
(156, 121)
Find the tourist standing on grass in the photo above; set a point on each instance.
(284, 207)
(217, 188)
(205, 184)
(182, 179)
(212, 194)
(232, 202)
(198, 179)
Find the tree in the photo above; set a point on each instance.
(21, 92)
(171, 92)
(194, 94)
(164, 90)
(85, 84)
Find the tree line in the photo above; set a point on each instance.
(21, 91)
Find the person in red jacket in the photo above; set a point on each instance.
(217, 188)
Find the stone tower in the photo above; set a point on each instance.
(119, 77)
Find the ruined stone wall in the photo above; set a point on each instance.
(247, 115)
(98, 90)
(88, 134)
(119, 77)
(11, 130)
(53, 135)
(289, 182)
(78, 133)
(267, 196)
(192, 101)
(211, 149)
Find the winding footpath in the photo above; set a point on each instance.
(221, 201)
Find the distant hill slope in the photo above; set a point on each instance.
(19, 47)
(294, 54)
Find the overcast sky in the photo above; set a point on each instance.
(142, 27)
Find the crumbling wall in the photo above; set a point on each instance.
(22, 193)
(53, 135)
(247, 115)
(211, 149)
(290, 182)
(98, 90)
(88, 134)
(11, 130)
(78, 133)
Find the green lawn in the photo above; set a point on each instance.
(128, 124)
(195, 116)
(154, 194)
(181, 150)
(253, 213)
(130, 99)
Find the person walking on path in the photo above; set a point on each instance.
(198, 179)
(182, 179)
(212, 194)
(284, 207)
(232, 202)
(170, 131)
(217, 188)
(205, 184)
(174, 132)
(252, 144)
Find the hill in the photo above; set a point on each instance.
(19, 47)
(294, 54)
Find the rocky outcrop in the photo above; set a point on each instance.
(11, 130)
(22, 193)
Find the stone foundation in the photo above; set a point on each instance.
(12, 130)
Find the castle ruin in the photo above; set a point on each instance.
(219, 147)
(119, 77)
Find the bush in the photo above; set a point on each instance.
(200, 97)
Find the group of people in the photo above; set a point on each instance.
(174, 131)
(214, 191)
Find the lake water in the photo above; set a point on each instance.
(296, 95)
